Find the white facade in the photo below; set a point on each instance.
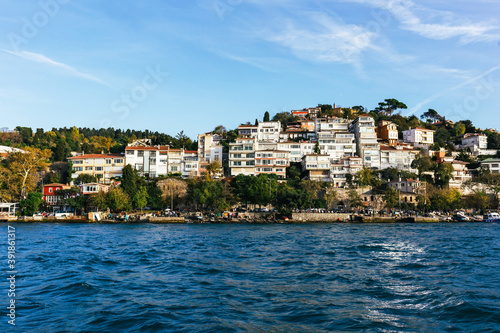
(334, 138)
(152, 161)
(397, 157)
(317, 166)
(272, 162)
(242, 156)
(492, 164)
(367, 145)
(419, 136)
(269, 131)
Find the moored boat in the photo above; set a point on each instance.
(491, 217)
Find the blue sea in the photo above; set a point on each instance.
(435, 277)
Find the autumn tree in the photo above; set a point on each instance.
(25, 165)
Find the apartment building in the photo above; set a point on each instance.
(272, 161)
(387, 131)
(269, 131)
(152, 161)
(316, 166)
(242, 156)
(491, 164)
(419, 137)
(103, 166)
(461, 175)
(209, 151)
(367, 146)
(399, 157)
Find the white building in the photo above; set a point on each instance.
(272, 162)
(152, 161)
(477, 144)
(102, 166)
(242, 156)
(461, 175)
(269, 131)
(419, 137)
(334, 138)
(209, 151)
(316, 166)
(492, 164)
(399, 157)
(367, 145)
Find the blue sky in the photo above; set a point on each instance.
(192, 65)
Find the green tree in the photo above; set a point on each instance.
(59, 154)
(85, 179)
(317, 150)
(479, 200)
(391, 197)
(431, 115)
(141, 198)
(129, 181)
(118, 200)
(99, 200)
(388, 106)
(422, 163)
(354, 199)
(266, 116)
(31, 204)
(443, 173)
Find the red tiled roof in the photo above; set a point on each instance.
(148, 148)
(94, 156)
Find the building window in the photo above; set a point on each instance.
(130, 152)
(109, 161)
(50, 189)
(98, 168)
(140, 153)
(118, 160)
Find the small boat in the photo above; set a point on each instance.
(491, 217)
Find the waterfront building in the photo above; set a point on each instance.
(152, 161)
(50, 197)
(271, 161)
(102, 166)
(461, 175)
(242, 156)
(209, 151)
(367, 145)
(93, 188)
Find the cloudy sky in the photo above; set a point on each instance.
(177, 65)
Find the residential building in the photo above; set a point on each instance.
(6, 150)
(419, 137)
(334, 138)
(152, 161)
(190, 164)
(49, 193)
(247, 131)
(405, 185)
(272, 162)
(316, 166)
(491, 164)
(408, 189)
(93, 188)
(367, 145)
(387, 131)
(477, 144)
(242, 156)
(399, 157)
(461, 175)
(209, 151)
(269, 131)
(296, 149)
(103, 166)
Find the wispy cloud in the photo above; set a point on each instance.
(323, 39)
(426, 101)
(433, 24)
(40, 58)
